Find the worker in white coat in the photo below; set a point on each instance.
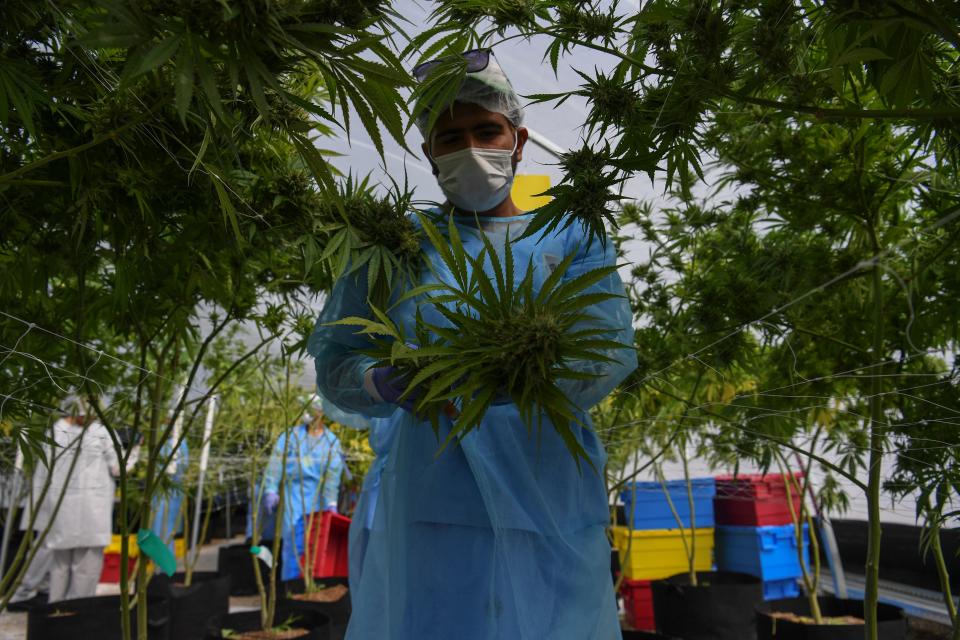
(81, 528)
(35, 586)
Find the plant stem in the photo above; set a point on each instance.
(676, 516)
(691, 559)
(872, 565)
(943, 575)
(809, 583)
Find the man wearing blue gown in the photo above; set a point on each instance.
(167, 521)
(314, 463)
(501, 536)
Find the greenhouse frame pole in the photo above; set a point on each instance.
(545, 143)
(204, 458)
(13, 496)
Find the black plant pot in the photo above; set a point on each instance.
(191, 607)
(235, 561)
(629, 634)
(94, 618)
(615, 566)
(338, 612)
(892, 624)
(720, 607)
(317, 623)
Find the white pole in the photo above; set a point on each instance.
(545, 143)
(13, 497)
(204, 458)
(175, 433)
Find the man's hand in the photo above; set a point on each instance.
(391, 386)
(270, 501)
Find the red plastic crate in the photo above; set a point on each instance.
(755, 500)
(111, 567)
(638, 604)
(328, 544)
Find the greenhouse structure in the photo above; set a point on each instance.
(480, 320)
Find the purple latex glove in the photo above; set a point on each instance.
(270, 501)
(390, 387)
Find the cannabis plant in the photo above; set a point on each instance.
(364, 230)
(504, 340)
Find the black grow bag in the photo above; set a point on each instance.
(191, 607)
(721, 607)
(235, 560)
(317, 623)
(98, 618)
(338, 612)
(892, 624)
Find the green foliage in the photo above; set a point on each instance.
(371, 232)
(584, 195)
(161, 159)
(502, 340)
(677, 64)
(160, 180)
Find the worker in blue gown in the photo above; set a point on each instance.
(167, 506)
(313, 461)
(501, 536)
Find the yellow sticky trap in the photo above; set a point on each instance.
(525, 190)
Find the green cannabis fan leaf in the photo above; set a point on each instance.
(503, 340)
(371, 232)
(586, 193)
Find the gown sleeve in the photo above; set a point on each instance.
(271, 481)
(612, 315)
(335, 349)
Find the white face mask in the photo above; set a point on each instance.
(476, 179)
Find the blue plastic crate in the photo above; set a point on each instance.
(768, 552)
(777, 589)
(652, 511)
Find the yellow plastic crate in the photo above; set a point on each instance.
(114, 547)
(659, 553)
(179, 546)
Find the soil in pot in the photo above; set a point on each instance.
(294, 625)
(93, 618)
(790, 619)
(332, 600)
(190, 607)
(328, 594)
(720, 607)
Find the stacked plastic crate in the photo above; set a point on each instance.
(756, 533)
(110, 573)
(652, 547)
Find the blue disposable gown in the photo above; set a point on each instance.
(167, 522)
(313, 468)
(501, 536)
(381, 438)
